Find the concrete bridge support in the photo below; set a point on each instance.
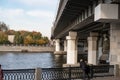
(92, 48)
(65, 45)
(71, 48)
(57, 45)
(115, 45)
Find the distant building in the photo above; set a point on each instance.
(11, 38)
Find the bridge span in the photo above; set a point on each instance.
(91, 26)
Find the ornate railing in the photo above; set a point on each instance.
(20, 74)
(61, 73)
(66, 73)
(69, 73)
(103, 70)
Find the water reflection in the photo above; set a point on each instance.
(31, 60)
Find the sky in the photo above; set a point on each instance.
(31, 15)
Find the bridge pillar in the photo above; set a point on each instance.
(71, 48)
(92, 48)
(65, 45)
(57, 45)
(115, 43)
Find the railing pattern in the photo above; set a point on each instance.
(21, 74)
(103, 70)
(70, 73)
(66, 73)
(61, 73)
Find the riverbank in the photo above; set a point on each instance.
(26, 49)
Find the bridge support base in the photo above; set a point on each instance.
(71, 48)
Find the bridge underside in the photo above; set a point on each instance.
(65, 21)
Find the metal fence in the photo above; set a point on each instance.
(66, 73)
(20, 74)
(71, 73)
(103, 70)
(61, 73)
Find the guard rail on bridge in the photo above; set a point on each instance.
(66, 73)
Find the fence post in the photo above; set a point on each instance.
(38, 74)
(69, 72)
(116, 70)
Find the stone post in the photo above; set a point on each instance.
(92, 49)
(38, 73)
(57, 44)
(116, 70)
(71, 48)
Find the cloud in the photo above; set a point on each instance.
(10, 13)
(40, 13)
(37, 2)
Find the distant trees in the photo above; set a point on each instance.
(24, 37)
(3, 26)
(3, 38)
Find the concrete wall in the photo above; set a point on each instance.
(27, 48)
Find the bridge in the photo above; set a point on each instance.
(89, 27)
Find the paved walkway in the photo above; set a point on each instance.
(106, 78)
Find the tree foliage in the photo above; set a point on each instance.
(3, 38)
(27, 38)
(3, 26)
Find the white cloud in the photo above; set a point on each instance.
(40, 14)
(10, 13)
(37, 2)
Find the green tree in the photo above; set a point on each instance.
(3, 38)
(28, 40)
(18, 38)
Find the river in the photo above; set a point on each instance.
(12, 60)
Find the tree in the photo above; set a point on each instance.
(3, 38)
(3, 26)
(28, 40)
(40, 41)
(36, 35)
(18, 38)
(10, 32)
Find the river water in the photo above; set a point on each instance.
(31, 60)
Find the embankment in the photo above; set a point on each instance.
(26, 49)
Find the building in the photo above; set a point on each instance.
(11, 38)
